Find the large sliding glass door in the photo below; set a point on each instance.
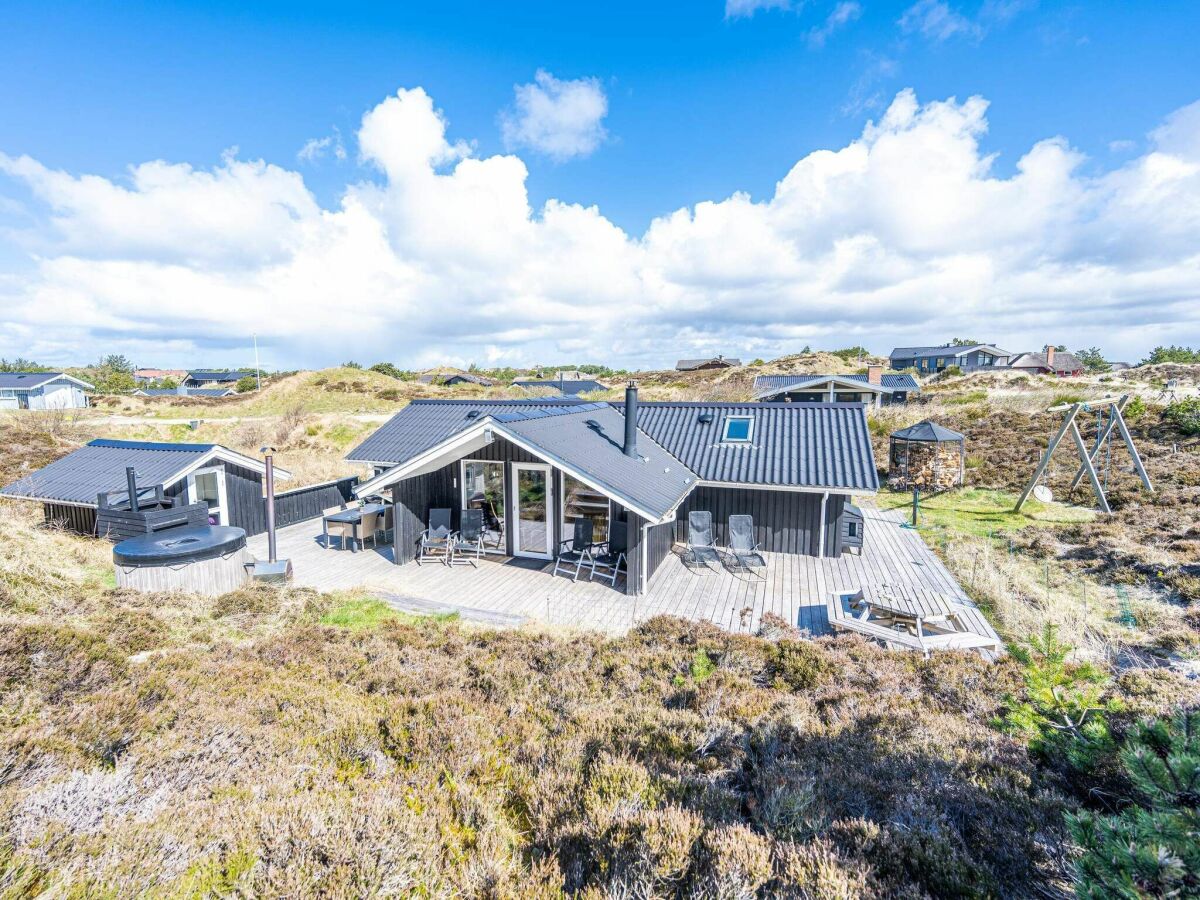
(483, 489)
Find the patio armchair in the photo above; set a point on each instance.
(367, 527)
(341, 530)
(495, 524)
(578, 551)
(743, 548)
(701, 548)
(609, 560)
(437, 539)
(469, 539)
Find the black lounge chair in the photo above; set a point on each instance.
(701, 548)
(743, 548)
(436, 540)
(609, 561)
(469, 538)
(578, 551)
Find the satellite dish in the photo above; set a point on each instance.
(1043, 493)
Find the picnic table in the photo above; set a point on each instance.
(351, 516)
(908, 606)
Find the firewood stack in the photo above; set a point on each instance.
(928, 465)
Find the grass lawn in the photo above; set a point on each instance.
(359, 613)
(981, 512)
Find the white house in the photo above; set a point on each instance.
(42, 390)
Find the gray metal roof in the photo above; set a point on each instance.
(424, 423)
(1063, 361)
(209, 375)
(565, 387)
(100, 466)
(928, 431)
(946, 350)
(782, 383)
(813, 445)
(685, 365)
(590, 438)
(25, 381)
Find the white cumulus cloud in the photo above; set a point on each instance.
(907, 234)
(740, 9)
(561, 119)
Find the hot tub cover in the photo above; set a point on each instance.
(177, 546)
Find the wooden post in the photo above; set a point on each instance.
(1137, 459)
(1087, 464)
(1050, 448)
(1100, 440)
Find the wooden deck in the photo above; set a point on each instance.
(796, 588)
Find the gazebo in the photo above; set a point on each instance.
(926, 456)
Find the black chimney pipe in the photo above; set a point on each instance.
(270, 491)
(131, 481)
(631, 410)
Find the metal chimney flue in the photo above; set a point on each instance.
(631, 411)
(270, 491)
(131, 482)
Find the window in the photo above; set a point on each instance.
(207, 486)
(738, 429)
(941, 363)
(852, 529)
(483, 488)
(581, 502)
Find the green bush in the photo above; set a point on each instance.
(1134, 409)
(1184, 415)
(246, 384)
(799, 665)
(952, 371)
(1150, 849)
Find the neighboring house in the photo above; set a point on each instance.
(1048, 362)
(42, 390)
(182, 391)
(1119, 366)
(207, 378)
(712, 362)
(467, 378)
(230, 483)
(632, 468)
(972, 358)
(142, 376)
(874, 388)
(560, 386)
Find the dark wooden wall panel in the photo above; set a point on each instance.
(80, 519)
(309, 502)
(784, 521)
(244, 495)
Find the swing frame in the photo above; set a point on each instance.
(1115, 406)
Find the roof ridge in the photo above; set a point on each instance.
(112, 444)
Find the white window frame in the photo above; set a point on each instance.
(222, 507)
(726, 439)
(462, 494)
(562, 508)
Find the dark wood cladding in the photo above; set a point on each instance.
(119, 524)
(309, 502)
(440, 489)
(784, 521)
(244, 496)
(80, 519)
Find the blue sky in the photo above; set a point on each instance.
(701, 102)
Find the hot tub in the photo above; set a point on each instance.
(199, 559)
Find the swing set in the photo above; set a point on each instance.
(1108, 416)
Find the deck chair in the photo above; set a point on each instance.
(577, 552)
(437, 538)
(340, 530)
(743, 549)
(701, 548)
(469, 539)
(609, 560)
(495, 524)
(368, 527)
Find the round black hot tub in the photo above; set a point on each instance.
(199, 559)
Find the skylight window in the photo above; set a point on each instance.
(738, 429)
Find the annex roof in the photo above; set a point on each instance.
(1063, 361)
(185, 392)
(100, 465)
(928, 431)
(769, 385)
(27, 381)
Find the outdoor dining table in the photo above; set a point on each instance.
(915, 605)
(351, 516)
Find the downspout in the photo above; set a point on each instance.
(821, 544)
(645, 561)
